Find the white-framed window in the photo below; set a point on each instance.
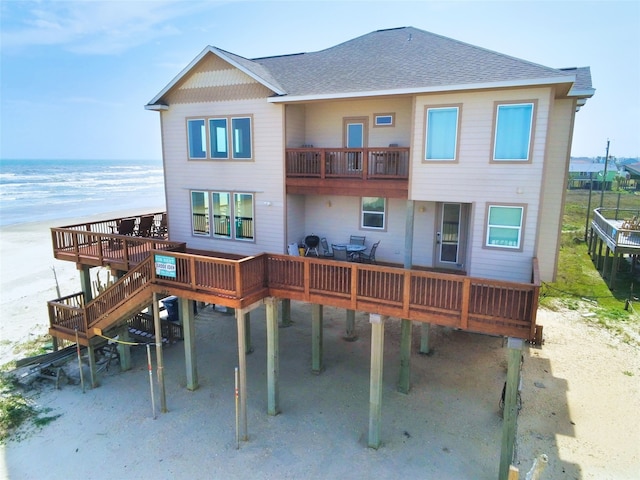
(441, 133)
(231, 214)
(513, 132)
(220, 138)
(241, 137)
(504, 226)
(222, 210)
(373, 213)
(384, 119)
(200, 213)
(243, 216)
(197, 138)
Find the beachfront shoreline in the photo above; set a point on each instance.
(27, 279)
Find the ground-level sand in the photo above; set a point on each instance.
(581, 399)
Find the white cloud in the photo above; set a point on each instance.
(92, 26)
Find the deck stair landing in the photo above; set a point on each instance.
(121, 301)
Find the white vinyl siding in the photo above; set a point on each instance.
(183, 176)
(474, 174)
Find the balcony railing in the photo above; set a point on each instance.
(475, 304)
(608, 223)
(94, 244)
(363, 163)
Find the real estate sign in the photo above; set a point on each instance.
(165, 266)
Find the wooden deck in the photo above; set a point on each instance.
(607, 231)
(474, 304)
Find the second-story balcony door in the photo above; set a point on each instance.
(355, 136)
(451, 235)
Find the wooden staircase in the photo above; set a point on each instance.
(69, 316)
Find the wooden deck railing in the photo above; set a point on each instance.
(476, 304)
(363, 163)
(482, 305)
(110, 225)
(67, 313)
(606, 222)
(89, 244)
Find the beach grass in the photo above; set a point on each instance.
(579, 285)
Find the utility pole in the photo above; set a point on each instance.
(604, 180)
(586, 227)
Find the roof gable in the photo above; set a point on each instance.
(393, 61)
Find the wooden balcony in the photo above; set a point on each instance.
(608, 223)
(474, 304)
(609, 228)
(347, 171)
(94, 244)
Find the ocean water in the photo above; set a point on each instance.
(43, 190)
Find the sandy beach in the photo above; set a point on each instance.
(580, 399)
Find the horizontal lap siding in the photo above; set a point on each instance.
(324, 122)
(473, 179)
(263, 176)
(555, 174)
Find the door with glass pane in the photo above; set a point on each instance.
(451, 236)
(355, 135)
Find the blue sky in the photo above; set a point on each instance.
(75, 76)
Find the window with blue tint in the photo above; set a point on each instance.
(197, 138)
(513, 132)
(383, 120)
(355, 135)
(373, 212)
(504, 226)
(218, 138)
(241, 137)
(200, 213)
(442, 133)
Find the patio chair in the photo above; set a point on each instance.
(160, 229)
(339, 252)
(356, 240)
(145, 226)
(371, 256)
(126, 226)
(325, 248)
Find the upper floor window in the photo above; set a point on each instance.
(383, 120)
(504, 226)
(373, 212)
(218, 134)
(513, 132)
(197, 138)
(220, 138)
(442, 133)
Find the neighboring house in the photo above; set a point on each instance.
(454, 157)
(587, 174)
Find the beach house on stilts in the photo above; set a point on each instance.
(401, 173)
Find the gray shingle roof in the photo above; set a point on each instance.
(396, 60)
(400, 58)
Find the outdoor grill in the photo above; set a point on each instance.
(312, 242)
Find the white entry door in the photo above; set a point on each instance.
(451, 235)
